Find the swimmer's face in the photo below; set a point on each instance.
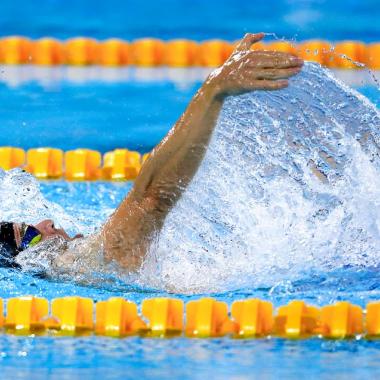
(47, 228)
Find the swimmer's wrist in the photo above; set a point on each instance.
(215, 88)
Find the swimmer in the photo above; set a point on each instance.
(127, 235)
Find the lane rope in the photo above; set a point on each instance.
(81, 51)
(201, 318)
(74, 165)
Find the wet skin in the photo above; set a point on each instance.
(128, 233)
(48, 230)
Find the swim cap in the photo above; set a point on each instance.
(31, 237)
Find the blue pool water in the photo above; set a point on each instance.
(196, 19)
(133, 107)
(49, 111)
(104, 109)
(187, 359)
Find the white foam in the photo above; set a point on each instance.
(22, 201)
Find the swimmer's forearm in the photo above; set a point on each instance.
(163, 177)
(175, 160)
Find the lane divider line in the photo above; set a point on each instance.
(201, 318)
(74, 165)
(83, 51)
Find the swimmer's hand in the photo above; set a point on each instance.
(248, 70)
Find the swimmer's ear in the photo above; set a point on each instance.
(248, 40)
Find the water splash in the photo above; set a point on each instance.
(22, 201)
(290, 184)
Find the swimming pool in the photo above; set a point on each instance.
(101, 108)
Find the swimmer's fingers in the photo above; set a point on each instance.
(248, 40)
(275, 73)
(273, 60)
(268, 84)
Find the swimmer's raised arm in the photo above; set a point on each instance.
(173, 163)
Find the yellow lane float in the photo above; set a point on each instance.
(207, 317)
(47, 51)
(181, 53)
(284, 46)
(253, 318)
(72, 315)
(118, 317)
(373, 56)
(372, 323)
(26, 314)
(113, 52)
(348, 55)
(81, 51)
(341, 320)
(15, 50)
(316, 51)
(213, 53)
(11, 157)
(45, 163)
(121, 164)
(82, 164)
(165, 316)
(296, 320)
(147, 52)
